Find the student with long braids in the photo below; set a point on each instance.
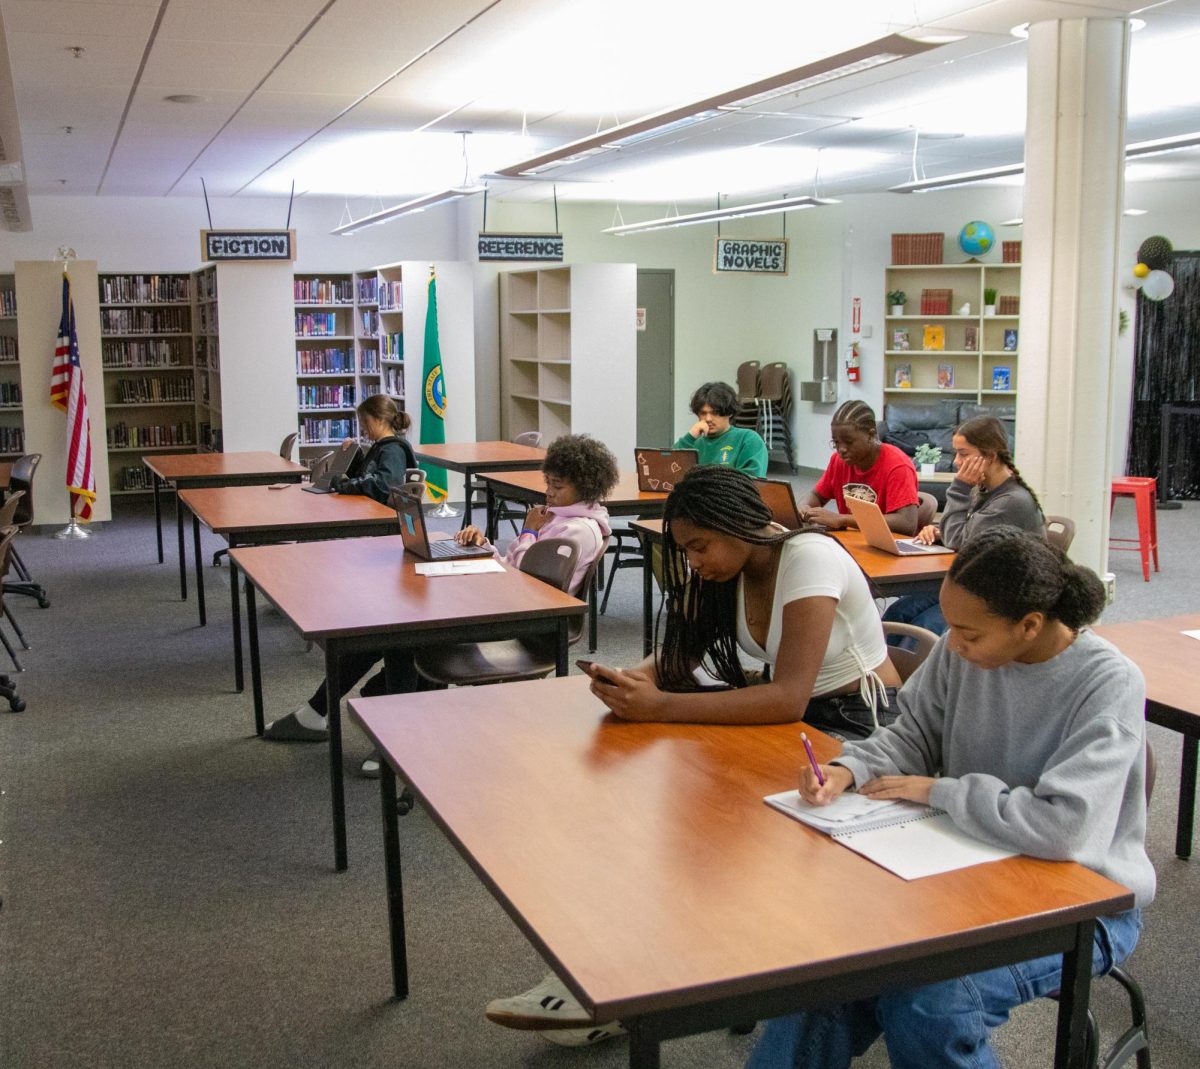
(987, 491)
(1030, 732)
(735, 583)
(864, 467)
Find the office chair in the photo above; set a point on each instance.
(287, 445)
(23, 470)
(417, 477)
(7, 534)
(907, 661)
(926, 506)
(1060, 532)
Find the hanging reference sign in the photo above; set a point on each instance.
(521, 247)
(762, 256)
(218, 245)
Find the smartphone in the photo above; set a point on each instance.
(585, 666)
(590, 667)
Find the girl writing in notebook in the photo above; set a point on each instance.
(735, 583)
(1030, 733)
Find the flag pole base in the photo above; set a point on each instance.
(444, 511)
(73, 530)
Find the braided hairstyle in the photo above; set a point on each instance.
(856, 414)
(1017, 572)
(701, 625)
(986, 433)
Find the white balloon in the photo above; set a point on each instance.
(1158, 286)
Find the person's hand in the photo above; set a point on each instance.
(349, 443)
(910, 788)
(470, 536)
(927, 536)
(837, 780)
(537, 518)
(631, 694)
(835, 521)
(972, 470)
(699, 429)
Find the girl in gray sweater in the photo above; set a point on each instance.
(1030, 733)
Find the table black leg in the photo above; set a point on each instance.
(182, 552)
(1187, 798)
(199, 568)
(644, 1049)
(255, 666)
(235, 603)
(157, 514)
(491, 514)
(647, 598)
(333, 717)
(563, 647)
(593, 597)
(395, 882)
(1071, 1039)
(469, 490)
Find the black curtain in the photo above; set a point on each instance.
(1166, 369)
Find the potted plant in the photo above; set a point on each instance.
(897, 299)
(989, 302)
(926, 458)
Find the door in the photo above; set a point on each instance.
(655, 357)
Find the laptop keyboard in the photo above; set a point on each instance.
(445, 547)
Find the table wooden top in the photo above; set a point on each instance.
(362, 585)
(5, 474)
(229, 509)
(182, 466)
(626, 491)
(874, 562)
(480, 455)
(642, 862)
(1169, 659)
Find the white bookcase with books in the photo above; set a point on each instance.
(326, 356)
(12, 420)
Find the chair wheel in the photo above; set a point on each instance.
(405, 802)
(16, 705)
(43, 603)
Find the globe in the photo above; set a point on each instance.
(976, 238)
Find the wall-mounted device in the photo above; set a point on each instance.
(822, 388)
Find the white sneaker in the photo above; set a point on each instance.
(548, 1006)
(584, 1037)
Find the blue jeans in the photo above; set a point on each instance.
(938, 1026)
(920, 609)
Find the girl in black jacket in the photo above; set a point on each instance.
(382, 420)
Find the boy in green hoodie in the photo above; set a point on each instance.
(714, 404)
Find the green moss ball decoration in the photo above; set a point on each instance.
(1155, 253)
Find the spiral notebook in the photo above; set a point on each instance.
(905, 838)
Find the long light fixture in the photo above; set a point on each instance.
(1135, 151)
(410, 207)
(716, 215)
(873, 54)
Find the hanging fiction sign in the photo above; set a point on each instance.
(521, 247)
(218, 245)
(762, 256)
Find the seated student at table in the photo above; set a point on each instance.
(580, 472)
(1030, 732)
(987, 490)
(718, 442)
(862, 466)
(738, 584)
(373, 476)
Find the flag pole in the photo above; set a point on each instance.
(73, 530)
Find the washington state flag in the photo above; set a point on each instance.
(433, 396)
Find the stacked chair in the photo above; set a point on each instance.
(765, 396)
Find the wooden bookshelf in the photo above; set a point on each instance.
(12, 418)
(326, 347)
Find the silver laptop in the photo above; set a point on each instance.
(416, 535)
(340, 465)
(878, 534)
(777, 495)
(658, 470)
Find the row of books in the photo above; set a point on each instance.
(122, 436)
(368, 290)
(136, 478)
(368, 321)
(324, 362)
(207, 320)
(8, 348)
(316, 324)
(327, 430)
(370, 362)
(370, 389)
(902, 377)
(8, 302)
(210, 437)
(162, 352)
(145, 320)
(391, 346)
(391, 296)
(115, 289)
(323, 291)
(10, 393)
(208, 353)
(393, 381)
(12, 440)
(144, 391)
(325, 396)
(933, 339)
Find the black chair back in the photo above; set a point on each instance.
(22, 479)
(8, 510)
(551, 560)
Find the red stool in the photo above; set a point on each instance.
(1144, 492)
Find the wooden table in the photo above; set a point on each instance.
(190, 471)
(641, 862)
(1170, 661)
(892, 576)
(471, 458)
(6, 477)
(361, 594)
(259, 515)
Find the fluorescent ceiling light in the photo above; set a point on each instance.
(1134, 211)
(738, 211)
(1162, 144)
(410, 207)
(874, 53)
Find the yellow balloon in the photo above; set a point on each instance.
(1141, 271)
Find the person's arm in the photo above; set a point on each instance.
(807, 623)
(697, 431)
(903, 520)
(752, 456)
(955, 520)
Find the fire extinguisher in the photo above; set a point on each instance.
(852, 363)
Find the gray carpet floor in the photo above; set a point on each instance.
(168, 894)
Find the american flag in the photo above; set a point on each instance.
(66, 392)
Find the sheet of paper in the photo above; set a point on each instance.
(922, 847)
(1192, 634)
(459, 567)
(846, 807)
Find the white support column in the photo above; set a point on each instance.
(1074, 192)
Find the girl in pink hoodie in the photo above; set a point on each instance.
(580, 472)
